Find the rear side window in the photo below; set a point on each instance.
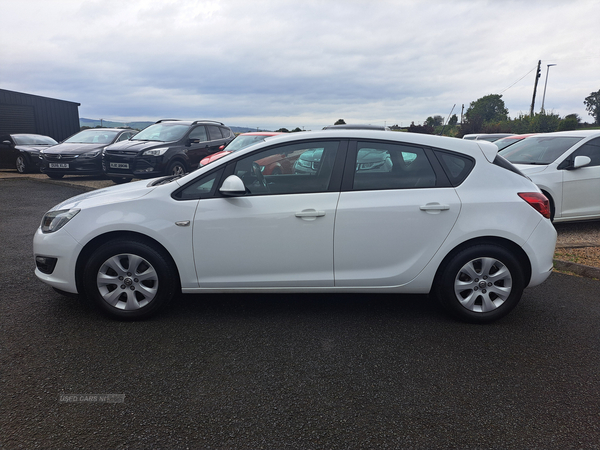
(214, 132)
(225, 132)
(457, 167)
(391, 166)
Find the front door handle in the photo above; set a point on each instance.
(310, 214)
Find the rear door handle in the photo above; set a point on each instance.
(434, 207)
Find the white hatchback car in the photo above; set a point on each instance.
(446, 216)
(566, 167)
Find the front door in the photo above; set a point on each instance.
(280, 233)
(581, 187)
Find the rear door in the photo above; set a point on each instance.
(392, 215)
(197, 146)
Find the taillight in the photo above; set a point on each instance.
(538, 201)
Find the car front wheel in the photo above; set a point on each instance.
(177, 168)
(130, 279)
(480, 284)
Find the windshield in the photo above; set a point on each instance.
(99, 136)
(162, 132)
(241, 142)
(539, 149)
(33, 139)
(505, 142)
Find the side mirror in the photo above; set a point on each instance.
(233, 186)
(221, 147)
(581, 161)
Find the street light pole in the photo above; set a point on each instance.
(546, 84)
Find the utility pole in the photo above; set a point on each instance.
(537, 77)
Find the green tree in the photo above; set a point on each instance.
(489, 109)
(340, 122)
(434, 121)
(453, 120)
(282, 130)
(592, 105)
(570, 122)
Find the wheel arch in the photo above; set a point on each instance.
(181, 159)
(489, 240)
(550, 198)
(98, 241)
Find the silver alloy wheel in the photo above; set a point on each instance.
(127, 282)
(177, 169)
(20, 163)
(483, 284)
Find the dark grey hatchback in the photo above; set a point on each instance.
(168, 147)
(81, 154)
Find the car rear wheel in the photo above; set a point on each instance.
(22, 164)
(130, 280)
(480, 284)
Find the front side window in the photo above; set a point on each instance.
(591, 149)
(199, 133)
(289, 169)
(391, 166)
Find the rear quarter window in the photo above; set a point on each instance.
(457, 167)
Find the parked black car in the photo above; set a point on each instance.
(81, 154)
(168, 147)
(21, 151)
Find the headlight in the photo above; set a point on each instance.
(55, 220)
(156, 151)
(91, 154)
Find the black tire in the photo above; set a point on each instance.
(129, 279)
(56, 176)
(120, 180)
(22, 163)
(480, 284)
(177, 168)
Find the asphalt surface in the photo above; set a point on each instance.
(293, 371)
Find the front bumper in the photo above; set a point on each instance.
(64, 249)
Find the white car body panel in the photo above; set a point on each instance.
(257, 244)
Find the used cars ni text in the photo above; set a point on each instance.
(81, 154)
(21, 151)
(168, 147)
(441, 215)
(566, 167)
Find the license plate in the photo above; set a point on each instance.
(58, 165)
(119, 166)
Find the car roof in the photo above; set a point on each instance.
(260, 133)
(357, 126)
(471, 148)
(573, 133)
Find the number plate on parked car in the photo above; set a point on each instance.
(119, 166)
(58, 165)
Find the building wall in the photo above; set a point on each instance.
(26, 113)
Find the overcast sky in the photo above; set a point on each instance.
(279, 63)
